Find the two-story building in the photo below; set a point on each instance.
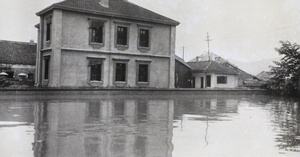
(104, 43)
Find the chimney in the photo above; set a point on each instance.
(31, 42)
(104, 3)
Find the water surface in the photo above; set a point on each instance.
(149, 126)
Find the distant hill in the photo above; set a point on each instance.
(255, 67)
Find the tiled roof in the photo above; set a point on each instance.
(210, 67)
(117, 8)
(12, 52)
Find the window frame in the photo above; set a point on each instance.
(46, 71)
(220, 79)
(122, 24)
(120, 61)
(92, 24)
(90, 70)
(48, 27)
(142, 62)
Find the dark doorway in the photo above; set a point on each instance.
(193, 83)
(208, 81)
(202, 82)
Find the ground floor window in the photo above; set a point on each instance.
(10, 74)
(30, 76)
(221, 80)
(120, 72)
(143, 73)
(95, 69)
(46, 67)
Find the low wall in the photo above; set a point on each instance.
(82, 93)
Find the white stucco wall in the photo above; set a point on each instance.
(232, 80)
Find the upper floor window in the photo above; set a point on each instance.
(221, 80)
(122, 35)
(97, 32)
(48, 31)
(144, 38)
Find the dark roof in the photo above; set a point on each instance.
(180, 60)
(117, 8)
(13, 52)
(211, 67)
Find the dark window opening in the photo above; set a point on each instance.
(48, 31)
(96, 69)
(144, 38)
(46, 70)
(97, 35)
(143, 73)
(120, 72)
(30, 76)
(221, 80)
(10, 74)
(121, 35)
(208, 81)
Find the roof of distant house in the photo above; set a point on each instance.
(117, 8)
(210, 67)
(13, 52)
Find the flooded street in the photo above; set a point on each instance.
(149, 126)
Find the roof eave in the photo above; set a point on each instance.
(174, 23)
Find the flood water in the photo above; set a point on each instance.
(149, 126)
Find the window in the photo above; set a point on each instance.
(221, 80)
(48, 30)
(120, 73)
(122, 35)
(143, 72)
(144, 38)
(30, 76)
(97, 32)
(95, 69)
(46, 67)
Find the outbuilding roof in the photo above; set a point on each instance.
(210, 67)
(13, 52)
(180, 60)
(117, 8)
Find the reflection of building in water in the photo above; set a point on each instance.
(214, 108)
(104, 128)
(15, 111)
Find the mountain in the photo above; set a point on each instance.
(255, 67)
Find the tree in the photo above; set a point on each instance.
(286, 73)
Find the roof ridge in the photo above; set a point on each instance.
(18, 42)
(208, 65)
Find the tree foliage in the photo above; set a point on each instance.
(286, 73)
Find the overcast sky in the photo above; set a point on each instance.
(242, 30)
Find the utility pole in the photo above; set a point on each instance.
(208, 40)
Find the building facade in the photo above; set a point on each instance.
(211, 74)
(104, 43)
(183, 74)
